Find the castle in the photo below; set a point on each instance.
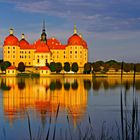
(45, 50)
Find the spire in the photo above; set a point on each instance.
(11, 31)
(22, 36)
(43, 29)
(43, 35)
(75, 29)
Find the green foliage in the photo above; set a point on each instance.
(5, 65)
(58, 67)
(111, 62)
(87, 68)
(23, 75)
(52, 67)
(67, 66)
(74, 67)
(35, 75)
(21, 67)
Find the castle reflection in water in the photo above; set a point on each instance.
(44, 94)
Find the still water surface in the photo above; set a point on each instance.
(78, 98)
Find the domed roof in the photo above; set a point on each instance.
(41, 47)
(23, 43)
(84, 44)
(75, 40)
(11, 40)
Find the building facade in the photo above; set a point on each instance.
(45, 50)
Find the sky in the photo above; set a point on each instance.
(111, 28)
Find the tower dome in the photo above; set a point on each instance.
(11, 40)
(23, 43)
(75, 39)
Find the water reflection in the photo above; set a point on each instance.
(44, 94)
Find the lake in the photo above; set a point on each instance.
(67, 106)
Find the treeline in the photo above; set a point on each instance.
(98, 66)
(105, 66)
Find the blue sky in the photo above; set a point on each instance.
(110, 27)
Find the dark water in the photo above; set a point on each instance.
(77, 100)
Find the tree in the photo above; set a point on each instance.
(58, 67)
(138, 67)
(67, 66)
(52, 67)
(127, 67)
(47, 64)
(96, 67)
(5, 65)
(106, 67)
(74, 67)
(116, 66)
(87, 68)
(21, 67)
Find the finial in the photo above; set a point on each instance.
(22, 36)
(75, 29)
(11, 31)
(43, 29)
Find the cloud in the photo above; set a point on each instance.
(93, 15)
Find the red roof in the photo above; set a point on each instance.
(54, 44)
(41, 47)
(11, 68)
(23, 44)
(44, 68)
(75, 40)
(11, 40)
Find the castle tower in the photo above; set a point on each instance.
(43, 35)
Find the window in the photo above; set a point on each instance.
(37, 60)
(8, 47)
(25, 56)
(29, 63)
(64, 56)
(76, 52)
(13, 63)
(42, 56)
(42, 71)
(64, 52)
(12, 71)
(13, 51)
(75, 56)
(81, 52)
(29, 52)
(70, 56)
(25, 51)
(38, 56)
(13, 56)
(8, 51)
(29, 56)
(70, 52)
(8, 71)
(13, 47)
(80, 56)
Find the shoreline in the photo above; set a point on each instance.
(130, 76)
